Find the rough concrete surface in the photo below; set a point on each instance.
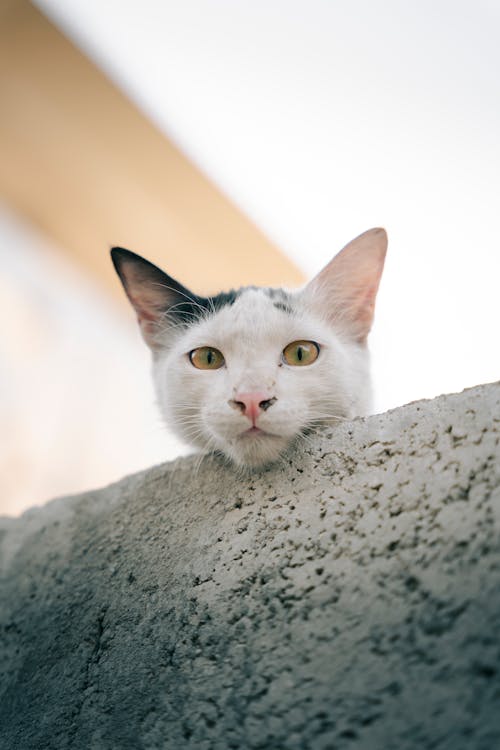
(348, 598)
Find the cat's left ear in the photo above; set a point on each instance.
(156, 297)
(345, 290)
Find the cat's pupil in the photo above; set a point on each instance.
(210, 356)
(299, 353)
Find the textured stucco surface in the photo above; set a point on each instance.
(349, 598)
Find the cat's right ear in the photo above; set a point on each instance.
(345, 290)
(152, 293)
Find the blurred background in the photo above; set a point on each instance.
(232, 142)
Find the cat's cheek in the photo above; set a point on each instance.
(179, 398)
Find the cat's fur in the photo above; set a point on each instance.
(256, 404)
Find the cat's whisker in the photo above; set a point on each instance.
(191, 415)
(166, 323)
(180, 410)
(185, 415)
(178, 293)
(316, 416)
(198, 436)
(303, 437)
(324, 420)
(208, 448)
(193, 433)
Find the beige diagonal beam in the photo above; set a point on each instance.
(84, 165)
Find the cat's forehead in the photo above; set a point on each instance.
(248, 313)
(250, 298)
(255, 303)
(255, 307)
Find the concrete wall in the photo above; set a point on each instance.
(349, 598)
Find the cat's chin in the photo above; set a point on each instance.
(256, 448)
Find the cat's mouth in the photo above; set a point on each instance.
(256, 432)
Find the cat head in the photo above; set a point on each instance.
(247, 372)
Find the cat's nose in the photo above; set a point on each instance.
(252, 404)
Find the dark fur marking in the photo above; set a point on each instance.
(223, 299)
(284, 307)
(281, 300)
(194, 309)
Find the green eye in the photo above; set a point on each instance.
(300, 353)
(206, 358)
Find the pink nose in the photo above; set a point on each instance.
(252, 404)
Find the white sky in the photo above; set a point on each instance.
(323, 118)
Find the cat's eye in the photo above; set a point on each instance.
(206, 358)
(300, 353)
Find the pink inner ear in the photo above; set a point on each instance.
(347, 287)
(366, 310)
(149, 308)
(150, 290)
(144, 311)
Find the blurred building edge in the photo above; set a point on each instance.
(87, 170)
(85, 166)
(76, 400)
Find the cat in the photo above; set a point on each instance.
(246, 373)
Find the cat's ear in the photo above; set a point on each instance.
(345, 290)
(156, 297)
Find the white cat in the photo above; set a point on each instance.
(248, 372)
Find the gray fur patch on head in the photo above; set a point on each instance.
(279, 297)
(281, 300)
